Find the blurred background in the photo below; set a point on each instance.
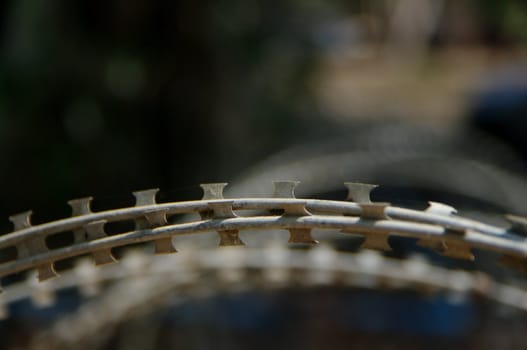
(105, 97)
(426, 97)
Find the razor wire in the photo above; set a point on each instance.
(437, 227)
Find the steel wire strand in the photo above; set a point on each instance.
(436, 225)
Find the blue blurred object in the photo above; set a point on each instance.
(406, 313)
(500, 107)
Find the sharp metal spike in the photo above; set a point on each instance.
(152, 218)
(79, 235)
(519, 224)
(222, 209)
(377, 241)
(46, 271)
(285, 189)
(32, 246)
(230, 238)
(213, 190)
(450, 249)
(145, 197)
(295, 209)
(359, 192)
(103, 257)
(373, 211)
(440, 209)
(301, 235)
(157, 218)
(22, 220)
(95, 230)
(454, 250)
(80, 206)
(141, 224)
(164, 246)
(458, 250)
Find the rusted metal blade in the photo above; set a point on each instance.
(80, 206)
(95, 230)
(145, 197)
(32, 246)
(440, 209)
(157, 218)
(222, 209)
(450, 249)
(164, 246)
(213, 190)
(359, 192)
(374, 211)
(295, 209)
(458, 251)
(444, 247)
(301, 235)
(230, 238)
(377, 241)
(46, 271)
(451, 237)
(519, 224)
(103, 257)
(285, 189)
(22, 220)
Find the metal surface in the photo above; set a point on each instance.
(139, 283)
(448, 234)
